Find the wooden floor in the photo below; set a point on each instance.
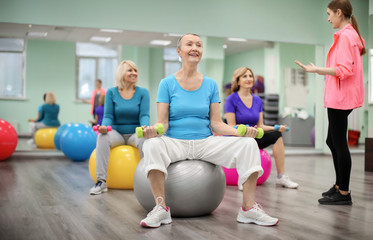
(47, 198)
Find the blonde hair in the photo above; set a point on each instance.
(101, 100)
(50, 98)
(121, 71)
(239, 72)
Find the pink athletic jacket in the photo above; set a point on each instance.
(346, 89)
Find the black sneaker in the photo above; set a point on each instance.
(336, 199)
(330, 192)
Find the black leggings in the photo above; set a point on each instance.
(337, 142)
(268, 138)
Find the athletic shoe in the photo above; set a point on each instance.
(336, 199)
(330, 192)
(256, 215)
(158, 216)
(98, 188)
(286, 182)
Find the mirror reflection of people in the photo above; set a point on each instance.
(243, 107)
(99, 111)
(344, 91)
(97, 92)
(188, 108)
(48, 116)
(126, 107)
(258, 85)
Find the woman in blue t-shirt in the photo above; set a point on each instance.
(99, 111)
(126, 107)
(188, 108)
(243, 107)
(48, 115)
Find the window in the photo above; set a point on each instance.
(171, 61)
(11, 68)
(94, 62)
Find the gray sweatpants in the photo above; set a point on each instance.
(109, 140)
(230, 152)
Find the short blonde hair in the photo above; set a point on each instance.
(50, 98)
(236, 76)
(121, 71)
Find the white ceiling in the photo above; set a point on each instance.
(128, 38)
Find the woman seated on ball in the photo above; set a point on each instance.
(243, 107)
(126, 107)
(188, 108)
(48, 115)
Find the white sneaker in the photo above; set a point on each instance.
(286, 182)
(31, 141)
(158, 216)
(256, 215)
(98, 188)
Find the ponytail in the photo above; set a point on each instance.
(354, 24)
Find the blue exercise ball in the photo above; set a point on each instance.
(57, 136)
(78, 141)
(193, 188)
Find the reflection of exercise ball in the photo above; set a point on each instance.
(121, 168)
(8, 139)
(78, 141)
(313, 136)
(266, 161)
(57, 136)
(231, 176)
(44, 137)
(193, 188)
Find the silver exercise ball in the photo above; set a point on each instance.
(193, 188)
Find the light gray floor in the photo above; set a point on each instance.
(47, 198)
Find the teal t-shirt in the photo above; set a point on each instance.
(125, 115)
(49, 115)
(189, 111)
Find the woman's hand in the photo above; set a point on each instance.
(251, 132)
(149, 132)
(308, 68)
(102, 129)
(282, 128)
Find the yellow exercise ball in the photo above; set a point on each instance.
(44, 137)
(122, 164)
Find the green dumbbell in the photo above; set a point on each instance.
(159, 128)
(241, 130)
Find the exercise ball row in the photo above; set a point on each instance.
(8, 139)
(75, 140)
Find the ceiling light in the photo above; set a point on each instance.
(111, 30)
(237, 39)
(174, 35)
(100, 39)
(37, 34)
(160, 42)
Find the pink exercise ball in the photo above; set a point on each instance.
(266, 165)
(8, 139)
(231, 174)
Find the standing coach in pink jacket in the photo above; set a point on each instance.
(344, 91)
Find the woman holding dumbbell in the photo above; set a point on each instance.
(188, 108)
(243, 107)
(126, 107)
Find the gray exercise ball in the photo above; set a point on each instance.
(193, 188)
